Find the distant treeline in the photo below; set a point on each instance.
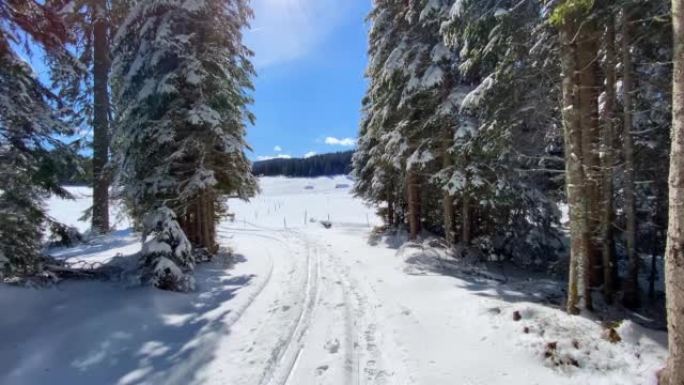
(318, 165)
(73, 169)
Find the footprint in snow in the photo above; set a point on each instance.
(321, 369)
(332, 346)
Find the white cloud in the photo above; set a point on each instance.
(345, 142)
(269, 157)
(277, 148)
(310, 154)
(284, 30)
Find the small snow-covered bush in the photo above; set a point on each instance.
(166, 257)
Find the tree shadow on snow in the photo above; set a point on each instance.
(114, 240)
(507, 282)
(84, 333)
(491, 280)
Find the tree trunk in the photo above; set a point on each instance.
(447, 198)
(390, 210)
(608, 163)
(574, 182)
(100, 217)
(631, 287)
(674, 253)
(466, 230)
(209, 234)
(199, 224)
(413, 192)
(587, 53)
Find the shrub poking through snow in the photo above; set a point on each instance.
(166, 256)
(516, 316)
(63, 235)
(611, 335)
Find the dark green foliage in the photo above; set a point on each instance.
(338, 163)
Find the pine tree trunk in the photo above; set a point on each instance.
(674, 254)
(631, 287)
(413, 192)
(573, 166)
(608, 164)
(206, 222)
(587, 53)
(100, 217)
(200, 225)
(208, 238)
(390, 210)
(198, 221)
(192, 225)
(447, 198)
(448, 207)
(466, 229)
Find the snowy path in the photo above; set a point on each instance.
(310, 324)
(304, 305)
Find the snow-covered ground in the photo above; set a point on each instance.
(306, 305)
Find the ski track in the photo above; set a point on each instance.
(265, 341)
(322, 328)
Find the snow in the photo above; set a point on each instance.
(430, 7)
(474, 97)
(433, 77)
(396, 59)
(457, 8)
(202, 113)
(501, 12)
(303, 305)
(440, 52)
(419, 158)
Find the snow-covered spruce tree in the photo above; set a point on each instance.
(376, 179)
(181, 78)
(377, 161)
(29, 122)
(506, 129)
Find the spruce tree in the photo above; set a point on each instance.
(377, 161)
(181, 82)
(30, 119)
(92, 23)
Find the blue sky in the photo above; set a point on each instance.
(310, 57)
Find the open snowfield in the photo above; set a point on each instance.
(305, 305)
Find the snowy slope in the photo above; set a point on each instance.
(306, 305)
